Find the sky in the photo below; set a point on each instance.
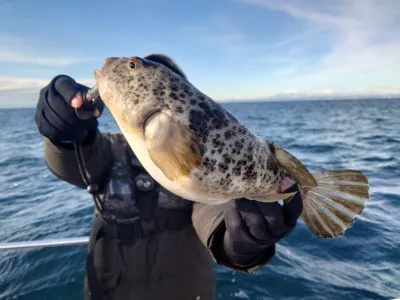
(232, 50)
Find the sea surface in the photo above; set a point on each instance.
(362, 264)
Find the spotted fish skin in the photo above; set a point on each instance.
(234, 161)
(197, 150)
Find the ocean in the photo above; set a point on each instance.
(364, 263)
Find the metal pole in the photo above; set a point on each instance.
(44, 243)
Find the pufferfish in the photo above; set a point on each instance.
(196, 149)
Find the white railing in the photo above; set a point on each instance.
(44, 243)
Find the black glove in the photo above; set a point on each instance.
(253, 228)
(56, 118)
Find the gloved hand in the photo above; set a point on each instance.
(253, 228)
(56, 117)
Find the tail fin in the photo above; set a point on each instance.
(331, 207)
(331, 199)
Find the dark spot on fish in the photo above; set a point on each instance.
(179, 109)
(222, 167)
(272, 165)
(228, 134)
(136, 101)
(202, 148)
(217, 123)
(271, 148)
(173, 96)
(212, 151)
(215, 142)
(249, 172)
(227, 159)
(242, 130)
(204, 106)
(196, 123)
(248, 157)
(237, 170)
(238, 145)
(187, 91)
(192, 102)
(225, 181)
(210, 164)
(218, 113)
(174, 87)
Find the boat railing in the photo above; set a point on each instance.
(44, 243)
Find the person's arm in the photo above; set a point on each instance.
(62, 161)
(242, 234)
(61, 128)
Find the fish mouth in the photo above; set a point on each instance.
(97, 74)
(107, 62)
(148, 117)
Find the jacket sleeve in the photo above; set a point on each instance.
(208, 221)
(61, 159)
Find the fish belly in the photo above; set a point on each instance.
(183, 187)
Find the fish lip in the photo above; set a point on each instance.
(97, 74)
(148, 116)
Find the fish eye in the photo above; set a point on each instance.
(132, 65)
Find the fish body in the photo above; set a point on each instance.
(196, 149)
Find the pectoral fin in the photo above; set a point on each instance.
(171, 146)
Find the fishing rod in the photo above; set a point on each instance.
(44, 243)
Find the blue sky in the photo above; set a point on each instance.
(230, 49)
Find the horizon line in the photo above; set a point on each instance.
(274, 100)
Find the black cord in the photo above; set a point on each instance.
(85, 176)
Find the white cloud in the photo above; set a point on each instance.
(20, 92)
(28, 84)
(21, 84)
(19, 57)
(17, 51)
(23, 91)
(365, 42)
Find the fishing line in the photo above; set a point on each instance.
(91, 188)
